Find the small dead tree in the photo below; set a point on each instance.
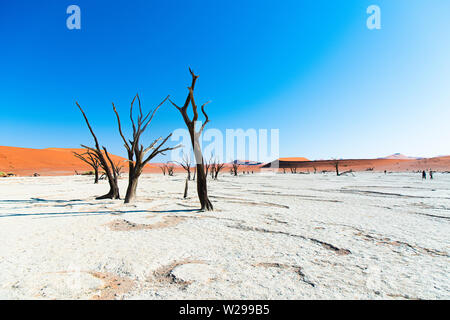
(163, 169)
(235, 167)
(91, 160)
(202, 188)
(170, 168)
(218, 167)
(118, 168)
(336, 166)
(186, 164)
(137, 154)
(106, 163)
(207, 166)
(213, 168)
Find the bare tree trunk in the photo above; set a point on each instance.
(336, 165)
(113, 191)
(133, 179)
(186, 188)
(96, 175)
(202, 189)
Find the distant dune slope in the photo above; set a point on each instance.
(437, 164)
(52, 161)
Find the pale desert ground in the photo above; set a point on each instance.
(281, 236)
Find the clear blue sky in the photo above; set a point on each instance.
(309, 68)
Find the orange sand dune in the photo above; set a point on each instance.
(395, 165)
(58, 161)
(52, 161)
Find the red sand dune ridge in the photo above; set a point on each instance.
(60, 161)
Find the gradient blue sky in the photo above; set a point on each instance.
(310, 68)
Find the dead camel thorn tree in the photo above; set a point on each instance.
(137, 154)
(208, 164)
(170, 167)
(186, 164)
(336, 163)
(235, 167)
(202, 188)
(106, 163)
(218, 166)
(336, 166)
(118, 168)
(213, 168)
(89, 158)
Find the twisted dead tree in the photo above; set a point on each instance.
(202, 188)
(89, 158)
(137, 154)
(106, 163)
(163, 169)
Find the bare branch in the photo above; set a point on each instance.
(120, 129)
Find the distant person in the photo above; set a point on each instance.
(424, 175)
(431, 175)
(385, 171)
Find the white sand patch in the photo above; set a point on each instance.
(286, 236)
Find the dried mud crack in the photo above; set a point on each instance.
(165, 275)
(125, 225)
(296, 269)
(338, 251)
